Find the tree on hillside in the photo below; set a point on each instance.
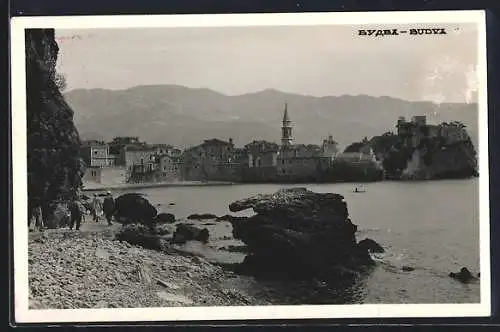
(53, 144)
(354, 147)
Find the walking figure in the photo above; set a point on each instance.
(76, 215)
(96, 208)
(108, 207)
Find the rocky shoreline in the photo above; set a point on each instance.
(71, 269)
(299, 248)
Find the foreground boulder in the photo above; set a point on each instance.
(299, 233)
(165, 218)
(134, 208)
(202, 216)
(230, 218)
(464, 276)
(141, 235)
(186, 232)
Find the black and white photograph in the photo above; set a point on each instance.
(250, 166)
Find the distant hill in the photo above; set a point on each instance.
(185, 116)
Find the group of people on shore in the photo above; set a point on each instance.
(76, 211)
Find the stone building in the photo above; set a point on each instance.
(298, 162)
(169, 168)
(365, 155)
(417, 129)
(214, 160)
(329, 148)
(133, 155)
(218, 150)
(118, 143)
(166, 149)
(96, 154)
(302, 168)
(262, 154)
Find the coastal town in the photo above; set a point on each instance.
(128, 160)
(160, 195)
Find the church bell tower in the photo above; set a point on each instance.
(286, 129)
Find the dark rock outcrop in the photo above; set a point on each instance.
(134, 208)
(299, 233)
(464, 276)
(370, 246)
(140, 235)
(165, 218)
(230, 218)
(186, 232)
(202, 216)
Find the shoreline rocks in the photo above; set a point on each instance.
(464, 276)
(165, 218)
(83, 271)
(186, 232)
(301, 234)
(203, 216)
(371, 246)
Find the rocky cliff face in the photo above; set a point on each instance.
(53, 143)
(442, 161)
(433, 158)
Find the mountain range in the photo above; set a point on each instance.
(184, 116)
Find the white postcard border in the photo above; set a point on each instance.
(19, 171)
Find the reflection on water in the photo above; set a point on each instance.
(430, 226)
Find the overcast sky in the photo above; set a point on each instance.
(319, 61)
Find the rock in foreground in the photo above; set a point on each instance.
(464, 276)
(134, 208)
(300, 233)
(185, 232)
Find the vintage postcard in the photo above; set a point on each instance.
(256, 166)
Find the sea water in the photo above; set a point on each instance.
(431, 226)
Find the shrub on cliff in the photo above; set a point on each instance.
(53, 144)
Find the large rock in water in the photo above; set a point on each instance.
(134, 208)
(299, 233)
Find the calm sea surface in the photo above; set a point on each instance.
(431, 226)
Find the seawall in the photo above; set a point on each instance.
(102, 187)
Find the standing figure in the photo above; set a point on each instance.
(35, 211)
(96, 208)
(109, 207)
(76, 215)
